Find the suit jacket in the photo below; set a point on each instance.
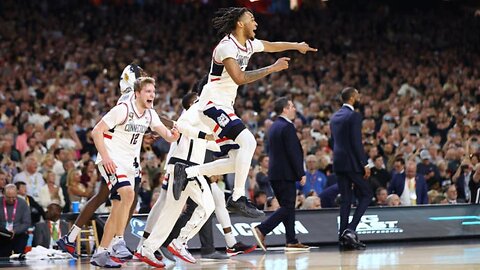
(348, 152)
(286, 153)
(398, 184)
(41, 235)
(461, 187)
(36, 210)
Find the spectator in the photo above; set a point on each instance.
(393, 200)
(445, 176)
(60, 156)
(3, 180)
(48, 162)
(262, 176)
(410, 186)
(462, 178)
(51, 192)
(381, 195)
(260, 199)
(379, 176)
(144, 195)
(432, 194)
(89, 173)
(8, 150)
(398, 166)
(311, 202)
(36, 211)
(47, 232)
(76, 190)
(451, 195)
(429, 170)
(316, 180)
(14, 222)
(21, 141)
(299, 200)
(272, 204)
(32, 178)
(61, 138)
(68, 166)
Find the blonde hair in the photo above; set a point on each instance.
(71, 175)
(141, 82)
(47, 157)
(46, 174)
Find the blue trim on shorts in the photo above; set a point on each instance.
(114, 191)
(226, 131)
(224, 149)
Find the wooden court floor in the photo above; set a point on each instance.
(423, 255)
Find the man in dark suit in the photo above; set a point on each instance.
(49, 231)
(285, 168)
(36, 210)
(350, 164)
(410, 186)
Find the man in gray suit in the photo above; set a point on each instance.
(49, 231)
(14, 222)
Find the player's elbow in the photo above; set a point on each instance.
(239, 80)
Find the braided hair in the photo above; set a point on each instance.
(225, 19)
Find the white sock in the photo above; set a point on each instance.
(247, 144)
(101, 250)
(230, 239)
(72, 235)
(117, 238)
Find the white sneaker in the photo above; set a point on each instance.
(181, 252)
(146, 255)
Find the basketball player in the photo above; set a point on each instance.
(118, 138)
(227, 72)
(190, 149)
(233, 247)
(118, 249)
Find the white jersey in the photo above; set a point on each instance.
(128, 96)
(190, 148)
(220, 88)
(127, 127)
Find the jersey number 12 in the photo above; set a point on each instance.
(134, 138)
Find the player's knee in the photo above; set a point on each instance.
(127, 194)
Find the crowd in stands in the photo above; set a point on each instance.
(417, 71)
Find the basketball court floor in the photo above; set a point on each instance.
(453, 254)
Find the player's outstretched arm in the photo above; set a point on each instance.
(302, 47)
(169, 135)
(243, 77)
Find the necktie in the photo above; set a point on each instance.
(54, 231)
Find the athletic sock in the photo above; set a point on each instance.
(73, 233)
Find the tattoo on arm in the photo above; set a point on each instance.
(253, 75)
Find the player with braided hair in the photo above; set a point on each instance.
(229, 61)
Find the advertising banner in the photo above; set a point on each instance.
(316, 227)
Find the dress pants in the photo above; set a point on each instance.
(346, 182)
(17, 244)
(286, 194)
